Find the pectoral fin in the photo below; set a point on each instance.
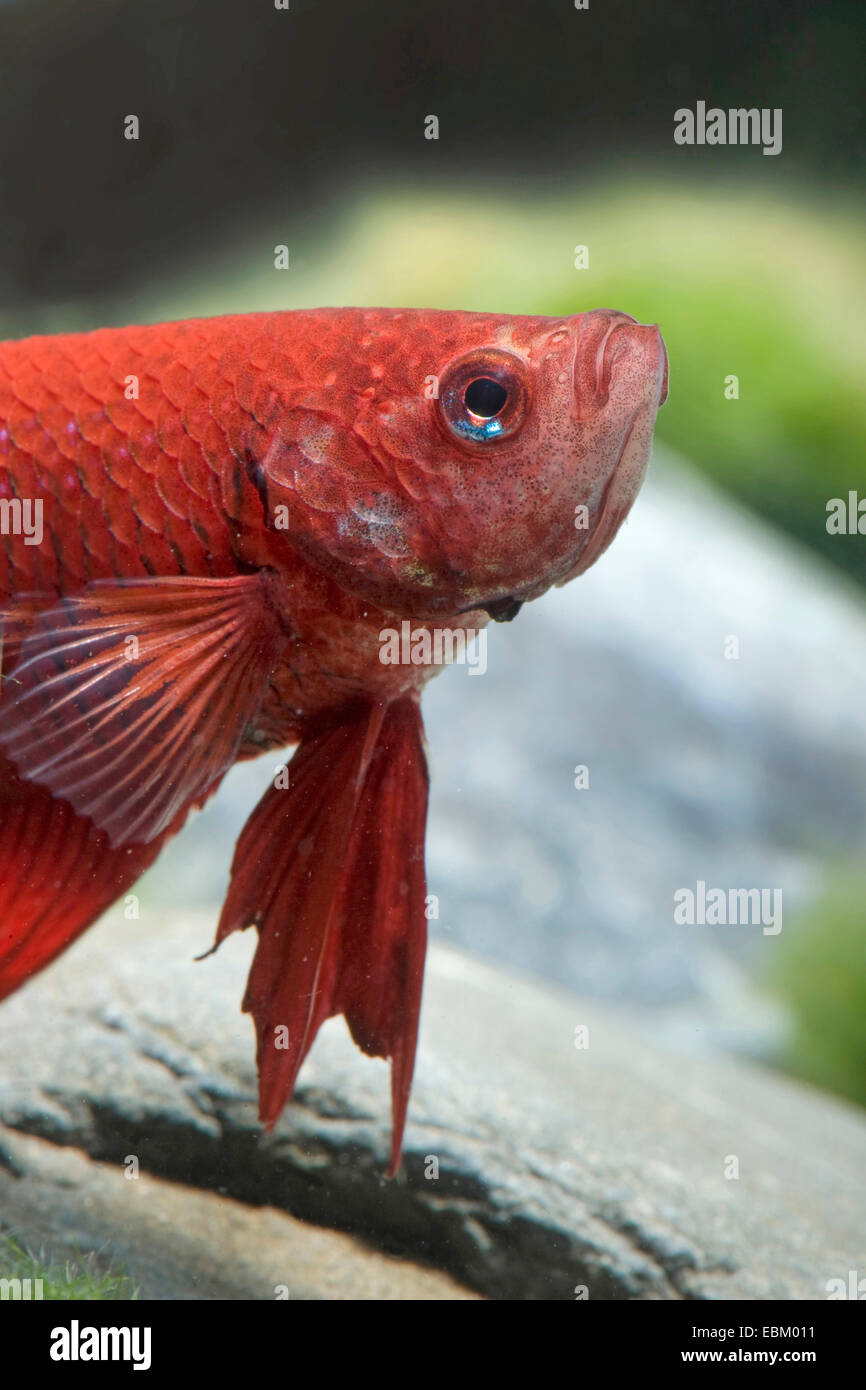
(130, 700)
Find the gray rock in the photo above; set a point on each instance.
(176, 1242)
(743, 773)
(558, 1166)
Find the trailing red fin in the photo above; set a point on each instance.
(57, 874)
(330, 869)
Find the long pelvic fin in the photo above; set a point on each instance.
(330, 869)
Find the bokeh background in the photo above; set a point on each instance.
(306, 127)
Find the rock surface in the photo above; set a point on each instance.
(747, 772)
(177, 1242)
(558, 1166)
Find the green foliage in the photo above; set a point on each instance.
(819, 971)
(79, 1279)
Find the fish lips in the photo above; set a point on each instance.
(646, 360)
(604, 336)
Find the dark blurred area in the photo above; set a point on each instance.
(248, 111)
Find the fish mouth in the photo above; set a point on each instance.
(628, 472)
(604, 334)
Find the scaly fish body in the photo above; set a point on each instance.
(232, 510)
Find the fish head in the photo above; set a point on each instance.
(471, 461)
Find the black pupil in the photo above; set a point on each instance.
(485, 397)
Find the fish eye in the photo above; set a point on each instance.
(484, 397)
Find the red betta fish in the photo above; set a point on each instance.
(205, 528)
